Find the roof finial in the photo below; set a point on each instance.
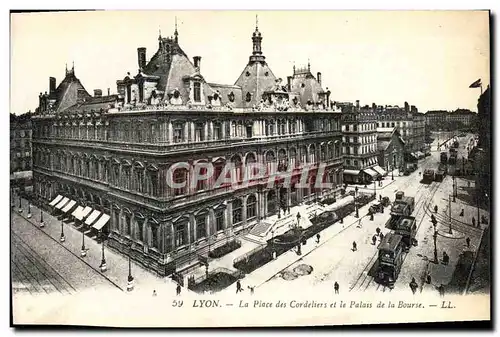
(73, 68)
(159, 32)
(256, 21)
(66, 67)
(308, 64)
(176, 34)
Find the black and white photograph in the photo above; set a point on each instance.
(269, 168)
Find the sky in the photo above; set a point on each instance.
(427, 58)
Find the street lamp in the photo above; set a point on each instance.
(393, 163)
(42, 224)
(355, 202)
(449, 211)
(83, 253)
(103, 265)
(454, 187)
(278, 201)
(63, 238)
(130, 278)
(20, 205)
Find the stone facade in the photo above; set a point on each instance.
(115, 154)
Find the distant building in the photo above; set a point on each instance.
(359, 130)
(20, 150)
(450, 120)
(390, 148)
(409, 122)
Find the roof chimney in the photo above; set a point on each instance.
(357, 104)
(108, 92)
(141, 57)
(97, 93)
(52, 85)
(197, 62)
(319, 78)
(289, 83)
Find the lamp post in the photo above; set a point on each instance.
(375, 188)
(83, 253)
(42, 224)
(130, 278)
(454, 186)
(278, 201)
(103, 265)
(20, 205)
(355, 202)
(393, 164)
(63, 238)
(299, 251)
(449, 211)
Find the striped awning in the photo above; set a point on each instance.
(56, 200)
(370, 172)
(85, 212)
(69, 206)
(103, 220)
(77, 211)
(351, 172)
(62, 203)
(379, 170)
(92, 217)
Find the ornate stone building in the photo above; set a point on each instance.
(20, 150)
(359, 128)
(115, 153)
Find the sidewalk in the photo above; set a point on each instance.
(260, 276)
(117, 265)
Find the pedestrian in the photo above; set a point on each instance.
(473, 222)
(441, 290)
(354, 246)
(468, 184)
(178, 290)
(377, 230)
(462, 212)
(429, 278)
(238, 286)
(446, 258)
(435, 208)
(413, 286)
(251, 290)
(154, 293)
(336, 287)
(317, 238)
(468, 242)
(374, 240)
(381, 236)
(380, 197)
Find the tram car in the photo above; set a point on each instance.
(428, 176)
(402, 205)
(390, 259)
(407, 228)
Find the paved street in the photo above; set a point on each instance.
(335, 261)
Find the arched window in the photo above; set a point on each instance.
(155, 228)
(237, 175)
(139, 223)
(270, 162)
(237, 211)
(197, 92)
(180, 177)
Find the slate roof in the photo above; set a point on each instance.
(306, 86)
(93, 103)
(67, 91)
(256, 78)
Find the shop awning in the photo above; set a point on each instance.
(56, 200)
(370, 172)
(92, 217)
(103, 220)
(351, 172)
(85, 212)
(77, 211)
(69, 206)
(62, 203)
(379, 170)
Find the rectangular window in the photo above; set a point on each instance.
(219, 220)
(178, 136)
(197, 91)
(199, 132)
(201, 227)
(217, 131)
(355, 127)
(180, 235)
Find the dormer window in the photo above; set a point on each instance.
(303, 85)
(266, 73)
(248, 97)
(247, 74)
(231, 97)
(197, 91)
